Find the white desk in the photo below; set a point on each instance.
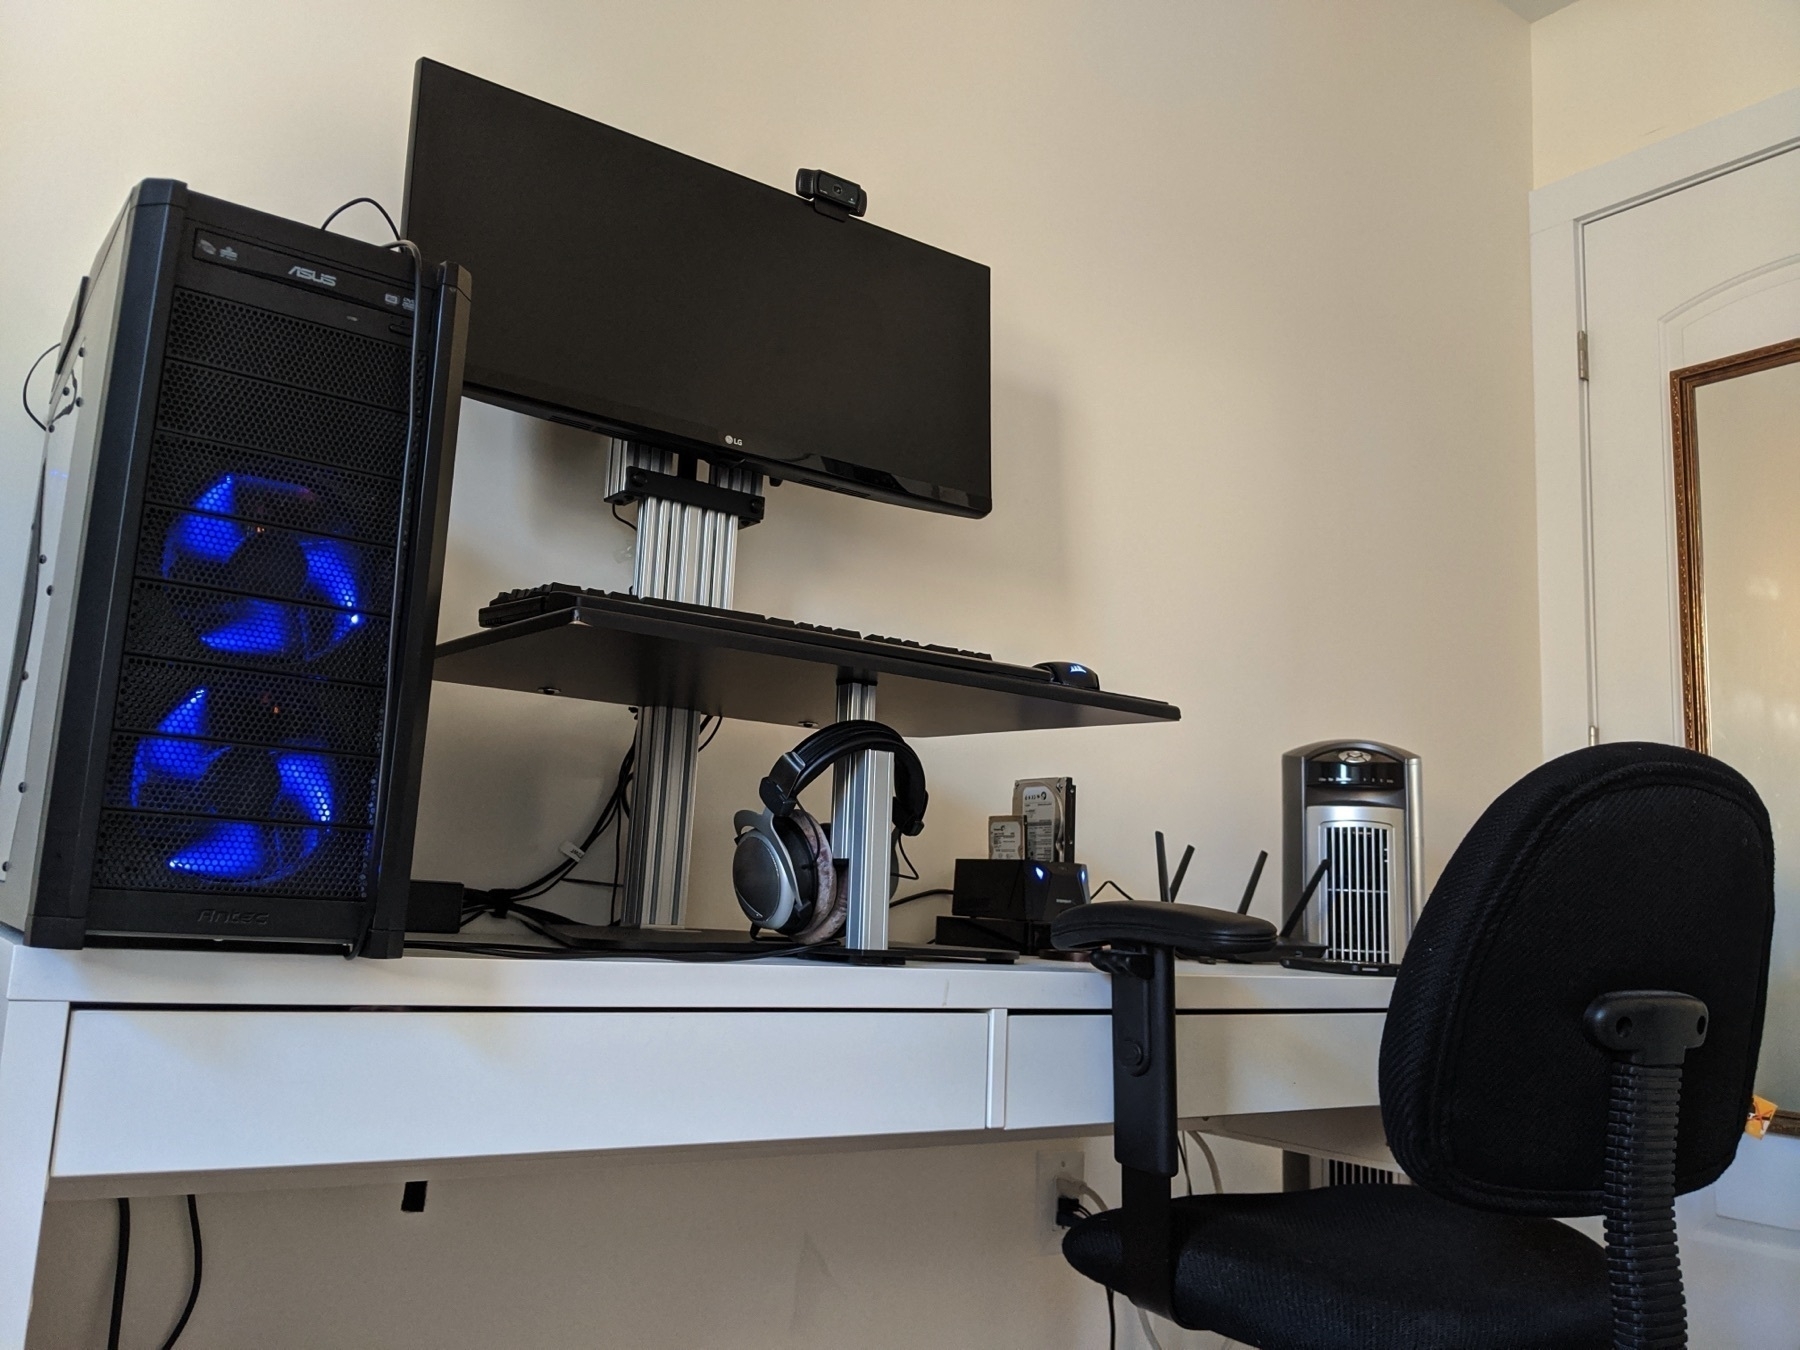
(140, 1072)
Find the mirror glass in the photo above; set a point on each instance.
(1737, 438)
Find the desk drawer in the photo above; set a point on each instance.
(181, 1091)
(1059, 1067)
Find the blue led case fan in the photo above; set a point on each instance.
(173, 773)
(256, 815)
(205, 544)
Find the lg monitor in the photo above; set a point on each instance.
(640, 292)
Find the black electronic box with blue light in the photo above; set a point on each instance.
(232, 581)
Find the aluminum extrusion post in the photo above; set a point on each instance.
(862, 825)
(685, 553)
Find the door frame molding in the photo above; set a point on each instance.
(1560, 213)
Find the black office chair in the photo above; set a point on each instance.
(1574, 1031)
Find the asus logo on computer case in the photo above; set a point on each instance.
(231, 916)
(307, 274)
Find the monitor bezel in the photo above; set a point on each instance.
(592, 411)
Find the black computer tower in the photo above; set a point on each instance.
(215, 712)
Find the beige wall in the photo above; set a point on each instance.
(1262, 447)
(1608, 76)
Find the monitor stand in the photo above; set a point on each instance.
(687, 551)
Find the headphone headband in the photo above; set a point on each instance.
(799, 767)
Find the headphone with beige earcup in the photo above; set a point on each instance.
(782, 869)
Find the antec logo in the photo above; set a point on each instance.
(238, 917)
(307, 274)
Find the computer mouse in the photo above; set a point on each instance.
(1071, 673)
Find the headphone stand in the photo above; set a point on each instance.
(862, 824)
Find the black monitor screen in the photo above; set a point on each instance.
(629, 288)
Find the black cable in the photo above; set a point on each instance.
(618, 887)
(358, 201)
(412, 373)
(920, 895)
(717, 723)
(193, 1297)
(630, 525)
(526, 951)
(911, 873)
(25, 389)
(1115, 885)
(610, 811)
(121, 1265)
(609, 814)
(1112, 1322)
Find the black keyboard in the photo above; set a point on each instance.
(512, 606)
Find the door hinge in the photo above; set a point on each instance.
(1581, 361)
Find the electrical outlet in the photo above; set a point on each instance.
(1059, 1172)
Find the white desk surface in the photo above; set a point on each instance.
(132, 1071)
(432, 980)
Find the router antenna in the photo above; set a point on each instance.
(1180, 872)
(1255, 876)
(1305, 895)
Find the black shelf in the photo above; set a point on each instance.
(618, 650)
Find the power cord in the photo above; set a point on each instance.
(1115, 885)
(708, 740)
(122, 1266)
(1212, 1163)
(919, 895)
(1068, 1210)
(25, 389)
(1077, 1210)
(612, 812)
(193, 1209)
(360, 201)
(566, 951)
(412, 369)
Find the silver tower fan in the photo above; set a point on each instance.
(1353, 806)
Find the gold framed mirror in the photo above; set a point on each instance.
(1736, 436)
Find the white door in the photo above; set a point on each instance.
(1699, 274)
(1691, 276)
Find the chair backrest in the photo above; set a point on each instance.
(1624, 866)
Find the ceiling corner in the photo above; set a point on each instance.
(1533, 10)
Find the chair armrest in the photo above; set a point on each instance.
(1189, 930)
(1142, 942)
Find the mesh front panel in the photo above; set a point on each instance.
(209, 331)
(212, 778)
(254, 415)
(200, 549)
(162, 853)
(248, 720)
(183, 472)
(186, 624)
(252, 707)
